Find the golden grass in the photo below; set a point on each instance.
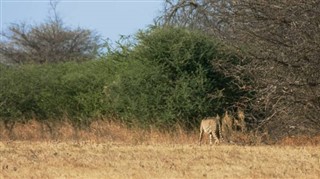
(98, 131)
(110, 150)
(118, 160)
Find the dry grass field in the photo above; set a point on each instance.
(130, 154)
(114, 160)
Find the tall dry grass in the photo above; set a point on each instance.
(98, 131)
(108, 131)
(111, 150)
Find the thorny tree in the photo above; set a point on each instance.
(281, 43)
(49, 42)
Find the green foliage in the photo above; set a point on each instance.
(73, 90)
(168, 78)
(164, 78)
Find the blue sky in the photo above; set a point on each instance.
(110, 18)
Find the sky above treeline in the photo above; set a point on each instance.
(109, 18)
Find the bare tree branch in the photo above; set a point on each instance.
(280, 40)
(48, 42)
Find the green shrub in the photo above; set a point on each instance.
(168, 78)
(165, 78)
(73, 90)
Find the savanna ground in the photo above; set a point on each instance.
(108, 150)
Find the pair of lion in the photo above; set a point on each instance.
(213, 126)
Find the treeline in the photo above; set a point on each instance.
(202, 58)
(165, 78)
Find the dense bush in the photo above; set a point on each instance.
(168, 78)
(73, 90)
